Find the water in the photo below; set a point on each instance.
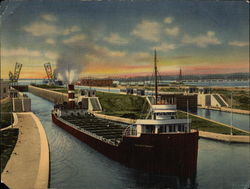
(239, 120)
(219, 84)
(101, 89)
(75, 165)
(29, 81)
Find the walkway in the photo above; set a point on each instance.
(28, 166)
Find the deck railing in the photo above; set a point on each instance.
(129, 131)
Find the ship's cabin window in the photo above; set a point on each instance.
(181, 127)
(172, 114)
(164, 128)
(148, 129)
(172, 128)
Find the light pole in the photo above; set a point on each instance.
(231, 132)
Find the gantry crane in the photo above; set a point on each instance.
(49, 72)
(14, 77)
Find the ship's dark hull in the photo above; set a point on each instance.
(171, 154)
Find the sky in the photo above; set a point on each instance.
(118, 38)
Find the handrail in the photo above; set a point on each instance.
(129, 131)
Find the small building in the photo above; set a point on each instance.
(190, 90)
(204, 90)
(4, 89)
(140, 92)
(96, 82)
(88, 92)
(130, 91)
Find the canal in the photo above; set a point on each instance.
(238, 120)
(76, 165)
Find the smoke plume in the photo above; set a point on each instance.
(70, 64)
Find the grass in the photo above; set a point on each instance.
(6, 117)
(127, 106)
(61, 90)
(7, 143)
(126, 114)
(44, 86)
(205, 125)
(172, 89)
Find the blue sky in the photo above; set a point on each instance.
(109, 38)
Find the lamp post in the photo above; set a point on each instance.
(231, 131)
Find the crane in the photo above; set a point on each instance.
(14, 77)
(49, 72)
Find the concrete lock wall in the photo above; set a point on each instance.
(53, 96)
(204, 100)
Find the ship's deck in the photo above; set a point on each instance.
(101, 127)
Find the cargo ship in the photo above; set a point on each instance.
(160, 143)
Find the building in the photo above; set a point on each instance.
(184, 102)
(4, 89)
(96, 82)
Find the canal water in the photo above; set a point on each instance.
(75, 165)
(238, 120)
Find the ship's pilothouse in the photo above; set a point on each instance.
(163, 120)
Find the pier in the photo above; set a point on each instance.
(28, 166)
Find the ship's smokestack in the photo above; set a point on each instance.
(71, 96)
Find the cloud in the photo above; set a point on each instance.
(51, 55)
(165, 47)
(172, 31)
(74, 39)
(104, 52)
(141, 56)
(41, 29)
(115, 38)
(168, 20)
(116, 53)
(148, 30)
(49, 17)
(72, 29)
(20, 52)
(202, 40)
(50, 41)
(238, 43)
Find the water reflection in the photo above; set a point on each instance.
(207, 114)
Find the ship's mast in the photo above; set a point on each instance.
(156, 79)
